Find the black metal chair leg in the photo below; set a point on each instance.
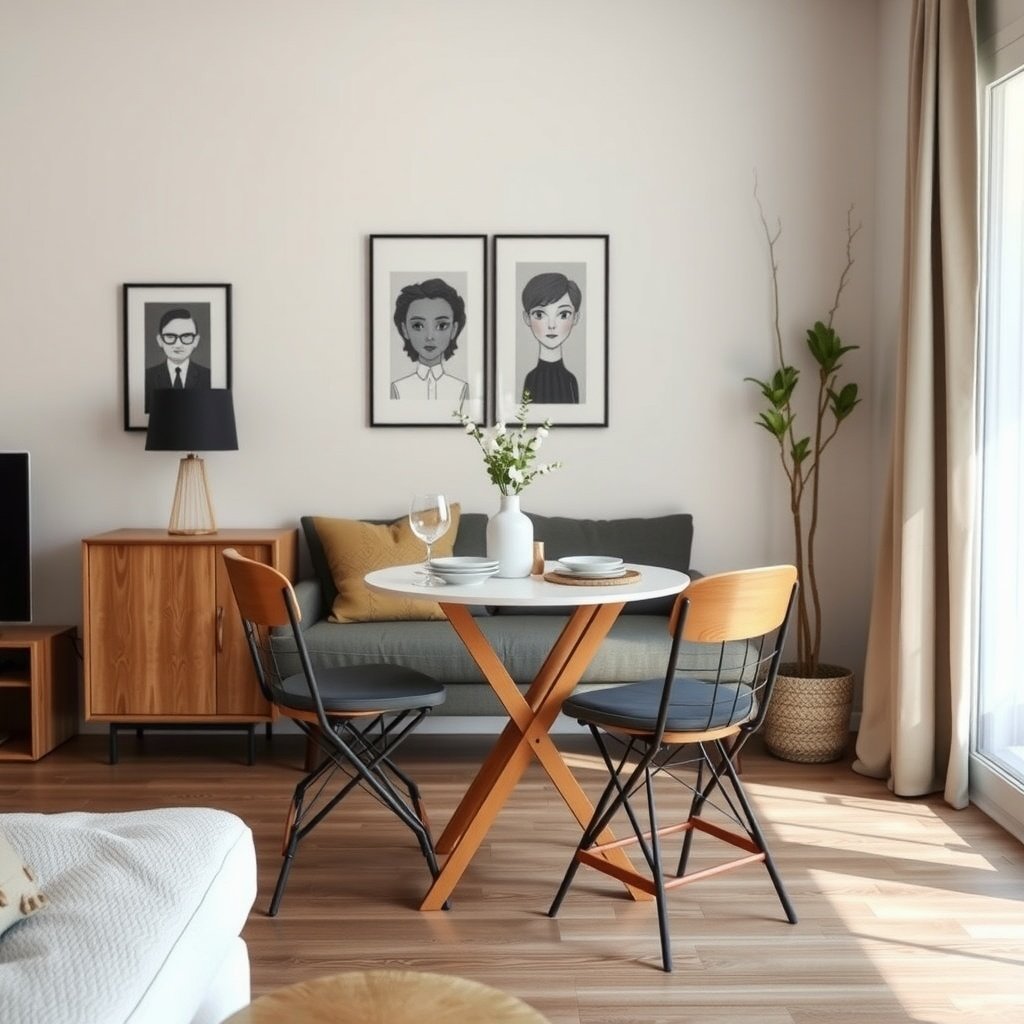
(282, 880)
(295, 834)
(696, 803)
(567, 879)
(612, 797)
(758, 836)
(369, 775)
(658, 876)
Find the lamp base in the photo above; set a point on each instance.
(192, 511)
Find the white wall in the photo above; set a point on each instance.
(261, 142)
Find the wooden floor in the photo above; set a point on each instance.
(909, 911)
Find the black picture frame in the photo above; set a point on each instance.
(569, 372)
(450, 270)
(208, 361)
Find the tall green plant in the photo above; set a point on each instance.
(801, 455)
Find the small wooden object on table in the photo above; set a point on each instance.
(629, 576)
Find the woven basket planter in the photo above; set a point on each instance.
(809, 718)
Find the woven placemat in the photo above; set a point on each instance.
(631, 576)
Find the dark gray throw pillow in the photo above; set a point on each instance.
(656, 540)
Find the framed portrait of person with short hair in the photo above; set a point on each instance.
(550, 311)
(175, 336)
(428, 317)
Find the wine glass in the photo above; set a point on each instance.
(429, 518)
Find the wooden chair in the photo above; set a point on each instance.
(357, 716)
(699, 716)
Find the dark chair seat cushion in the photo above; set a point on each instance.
(695, 705)
(367, 688)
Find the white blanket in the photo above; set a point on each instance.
(143, 908)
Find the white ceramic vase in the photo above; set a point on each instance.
(510, 539)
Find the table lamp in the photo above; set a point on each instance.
(191, 420)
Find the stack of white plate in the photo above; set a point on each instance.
(463, 570)
(591, 567)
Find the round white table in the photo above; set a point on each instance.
(592, 610)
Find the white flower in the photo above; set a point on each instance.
(508, 455)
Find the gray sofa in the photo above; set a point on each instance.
(636, 648)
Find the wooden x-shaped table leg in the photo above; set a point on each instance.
(525, 736)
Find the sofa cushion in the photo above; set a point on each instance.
(354, 547)
(657, 540)
(636, 648)
(19, 894)
(469, 540)
(471, 536)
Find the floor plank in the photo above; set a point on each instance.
(909, 910)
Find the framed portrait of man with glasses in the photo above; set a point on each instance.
(175, 336)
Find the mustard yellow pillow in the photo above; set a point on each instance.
(353, 548)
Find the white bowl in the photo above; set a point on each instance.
(597, 574)
(590, 563)
(463, 579)
(463, 563)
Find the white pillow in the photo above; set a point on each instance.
(19, 894)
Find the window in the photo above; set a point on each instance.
(997, 766)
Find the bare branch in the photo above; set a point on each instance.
(772, 239)
(851, 233)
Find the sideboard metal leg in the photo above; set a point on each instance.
(112, 741)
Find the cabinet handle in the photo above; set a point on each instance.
(220, 628)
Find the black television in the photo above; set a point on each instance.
(15, 538)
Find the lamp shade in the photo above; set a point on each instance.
(191, 420)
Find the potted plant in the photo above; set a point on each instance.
(808, 719)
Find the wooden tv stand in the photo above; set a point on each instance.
(38, 690)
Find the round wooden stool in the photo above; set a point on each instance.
(387, 997)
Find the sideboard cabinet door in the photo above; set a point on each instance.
(162, 635)
(238, 691)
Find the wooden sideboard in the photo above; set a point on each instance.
(162, 636)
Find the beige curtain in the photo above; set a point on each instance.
(916, 713)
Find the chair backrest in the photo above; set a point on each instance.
(266, 602)
(735, 605)
(260, 590)
(734, 625)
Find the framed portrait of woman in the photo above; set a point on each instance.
(428, 319)
(550, 309)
